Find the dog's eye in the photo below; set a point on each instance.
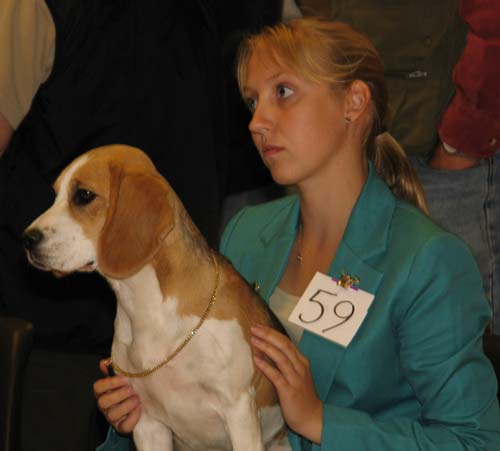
(83, 196)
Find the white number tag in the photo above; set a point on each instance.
(331, 311)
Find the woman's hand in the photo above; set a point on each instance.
(292, 378)
(117, 401)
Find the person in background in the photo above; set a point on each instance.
(405, 367)
(442, 65)
(80, 74)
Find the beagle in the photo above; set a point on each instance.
(183, 319)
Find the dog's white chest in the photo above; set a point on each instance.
(195, 392)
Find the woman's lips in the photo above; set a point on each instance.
(271, 150)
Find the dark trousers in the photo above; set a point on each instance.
(59, 411)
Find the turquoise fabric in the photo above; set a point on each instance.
(114, 442)
(414, 377)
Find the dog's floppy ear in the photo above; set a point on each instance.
(139, 217)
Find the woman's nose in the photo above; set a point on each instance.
(262, 120)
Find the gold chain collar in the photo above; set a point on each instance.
(179, 348)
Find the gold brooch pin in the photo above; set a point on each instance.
(346, 281)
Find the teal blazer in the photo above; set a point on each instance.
(414, 377)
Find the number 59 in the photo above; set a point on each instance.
(321, 297)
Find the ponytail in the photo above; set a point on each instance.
(392, 165)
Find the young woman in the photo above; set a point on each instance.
(412, 374)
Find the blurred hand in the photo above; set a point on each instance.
(292, 378)
(444, 161)
(117, 401)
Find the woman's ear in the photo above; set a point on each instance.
(358, 98)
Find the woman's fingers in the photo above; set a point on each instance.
(127, 425)
(278, 348)
(280, 359)
(272, 373)
(292, 378)
(118, 412)
(115, 397)
(117, 400)
(107, 384)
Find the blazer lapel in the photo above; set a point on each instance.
(276, 241)
(365, 237)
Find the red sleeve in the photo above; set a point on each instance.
(471, 124)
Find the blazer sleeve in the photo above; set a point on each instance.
(114, 442)
(229, 245)
(439, 324)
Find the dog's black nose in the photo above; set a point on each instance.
(31, 238)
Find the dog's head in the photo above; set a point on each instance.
(111, 213)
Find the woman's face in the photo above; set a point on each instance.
(297, 126)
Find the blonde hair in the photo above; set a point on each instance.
(323, 51)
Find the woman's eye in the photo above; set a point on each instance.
(251, 104)
(83, 196)
(284, 91)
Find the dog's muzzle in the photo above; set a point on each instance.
(35, 245)
(31, 239)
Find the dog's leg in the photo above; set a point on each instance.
(244, 424)
(151, 435)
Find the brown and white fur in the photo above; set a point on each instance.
(116, 215)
